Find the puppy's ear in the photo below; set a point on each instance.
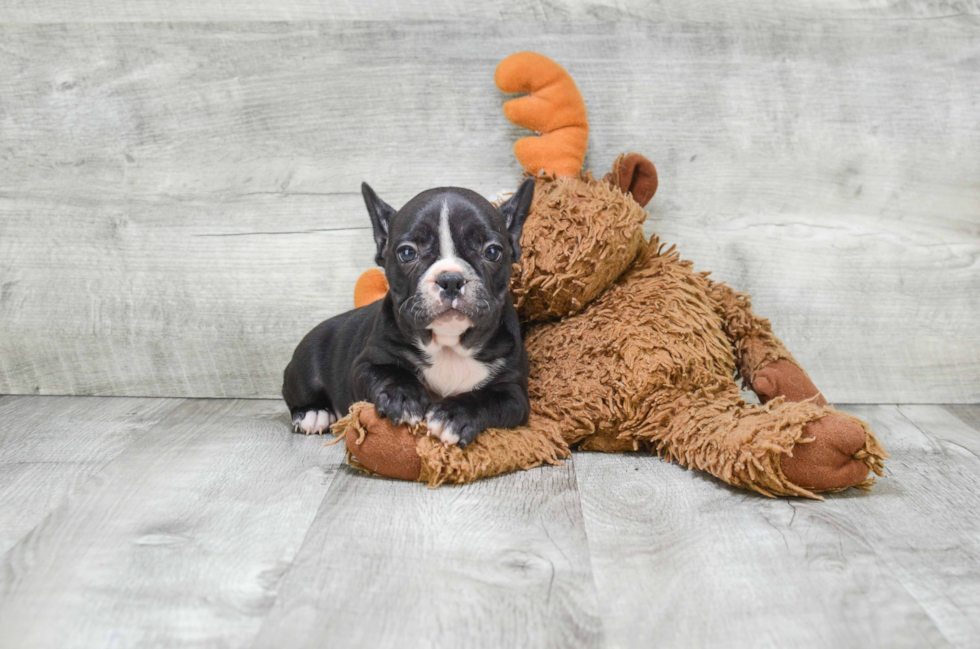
(380, 213)
(515, 210)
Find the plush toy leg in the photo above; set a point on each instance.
(827, 462)
(376, 445)
(763, 447)
(751, 337)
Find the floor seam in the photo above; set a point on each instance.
(588, 547)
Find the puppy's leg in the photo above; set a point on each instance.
(310, 406)
(395, 392)
(459, 419)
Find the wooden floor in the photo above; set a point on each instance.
(159, 522)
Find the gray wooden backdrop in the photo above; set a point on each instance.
(179, 180)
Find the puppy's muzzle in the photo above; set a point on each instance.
(451, 285)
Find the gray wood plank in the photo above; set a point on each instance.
(924, 522)
(681, 559)
(51, 446)
(181, 540)
(951, 425)
(498, 563)
(968, 414)
(65, 11)
(829, 167)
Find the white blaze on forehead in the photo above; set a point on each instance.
(446, 248)
(430, 293)
(448, 262)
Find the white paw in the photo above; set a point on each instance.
(441, 429)
(313, 421)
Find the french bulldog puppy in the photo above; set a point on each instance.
(444, 345)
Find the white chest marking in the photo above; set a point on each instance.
(453, 370)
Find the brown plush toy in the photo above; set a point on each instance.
(630, 348)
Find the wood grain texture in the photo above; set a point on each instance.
(181, 540)
(898, 567)
(51, 446)
(829, 166)
(499, 563)
(60, 11)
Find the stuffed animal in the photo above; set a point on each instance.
(630, 348)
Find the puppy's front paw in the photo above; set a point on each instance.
(405, 404)
(451, 424)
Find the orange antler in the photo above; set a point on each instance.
(554, 108)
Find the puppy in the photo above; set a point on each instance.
(444, 345)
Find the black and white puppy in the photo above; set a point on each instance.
(444, 345)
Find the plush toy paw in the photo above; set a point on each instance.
(784, 379)
(384, 448)
(828, 463)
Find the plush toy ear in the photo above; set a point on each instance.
(380, 213)
(515, 210)
(635, 175)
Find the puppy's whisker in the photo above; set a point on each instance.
(406, 303)
(418, 312)
(412, 308)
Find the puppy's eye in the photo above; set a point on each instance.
(493, 252)
(406, 254)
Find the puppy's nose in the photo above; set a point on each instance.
(451, 283)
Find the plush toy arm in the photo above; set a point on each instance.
(763, 362)
(376, 445)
